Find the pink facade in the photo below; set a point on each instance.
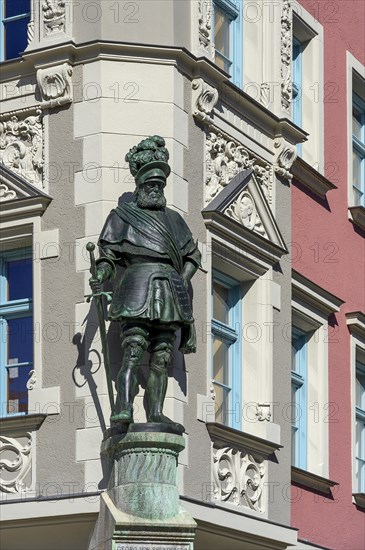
(329, 250)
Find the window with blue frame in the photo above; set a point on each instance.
(360, 427)
(297, 79)
(226, 350)
(358, 150)
(15, 16)
(299, 398)
(228, 37)
(16, 330)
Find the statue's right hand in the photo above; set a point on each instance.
(96, 283)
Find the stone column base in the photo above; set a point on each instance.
(116, 530)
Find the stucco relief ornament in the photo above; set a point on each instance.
(15, 463)
(54, 16)
(205, 98)
(21, 146)
(224, 159)
(238, 478)
(55, 85)
(205, 23)
(286, 54)
(285, 159)
(243, 210)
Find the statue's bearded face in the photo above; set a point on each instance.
(150, 194)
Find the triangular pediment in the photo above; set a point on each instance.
(244, 202)
(17, 193)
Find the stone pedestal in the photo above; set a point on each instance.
(140, 509)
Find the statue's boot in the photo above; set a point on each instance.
(157, 385)
(134, 344)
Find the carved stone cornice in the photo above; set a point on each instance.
(285, 156)
(204, 98)
(224, 159)
(286, 56)
(54, 16)
(21, 144)
(55, 85)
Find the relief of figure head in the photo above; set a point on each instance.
(246, 210)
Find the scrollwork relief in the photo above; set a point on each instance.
(285, 158)
(55, 85)
(21, 145)
(243, 210)
(225, 158)
(238, 478)
(205, 98)
(286, 55)
(54, 16)
(263, 411)
(6, 194)
(15, 463)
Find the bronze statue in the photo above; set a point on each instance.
(151, 298)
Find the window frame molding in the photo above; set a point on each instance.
(355, 70)
(233, 8)
(312, 305)
(309, 31)
(356, 324)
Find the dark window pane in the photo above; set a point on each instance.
(220, 303)
(17, 389)
(16, 7)
(19, 279)
(20, 340)
(16, 37)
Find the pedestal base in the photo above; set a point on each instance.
(116, 530)
(140, 509)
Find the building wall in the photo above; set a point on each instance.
(329, 250)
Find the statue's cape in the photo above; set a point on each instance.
(167, 234)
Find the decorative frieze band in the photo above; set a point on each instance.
(238, 478)
(15, 463)
(225, 158)
(286, 55)
(21, 144)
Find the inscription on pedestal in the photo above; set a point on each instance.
(155, 546)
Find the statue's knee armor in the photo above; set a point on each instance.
(161, 355)
(134, 344)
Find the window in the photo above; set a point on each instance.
(360, 427)
(15, 17)
(16, 330)
(227, 375)
(228, 38)
(299, 398)
(358, 150)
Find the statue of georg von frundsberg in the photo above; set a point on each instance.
(151, 299)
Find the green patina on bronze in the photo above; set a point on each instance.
(151, 298)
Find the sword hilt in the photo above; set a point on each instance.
(90, 247)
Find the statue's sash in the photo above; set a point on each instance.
(153, 231)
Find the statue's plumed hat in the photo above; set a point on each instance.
(149, 159)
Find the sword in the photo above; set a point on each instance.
(90, 247)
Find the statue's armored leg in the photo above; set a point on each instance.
(134, 345)
(161, 353)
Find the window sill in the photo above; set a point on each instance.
(359, 499)
(357, 216)
(312, 481)
(310, 178)
(27, 422)
(224, 436)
